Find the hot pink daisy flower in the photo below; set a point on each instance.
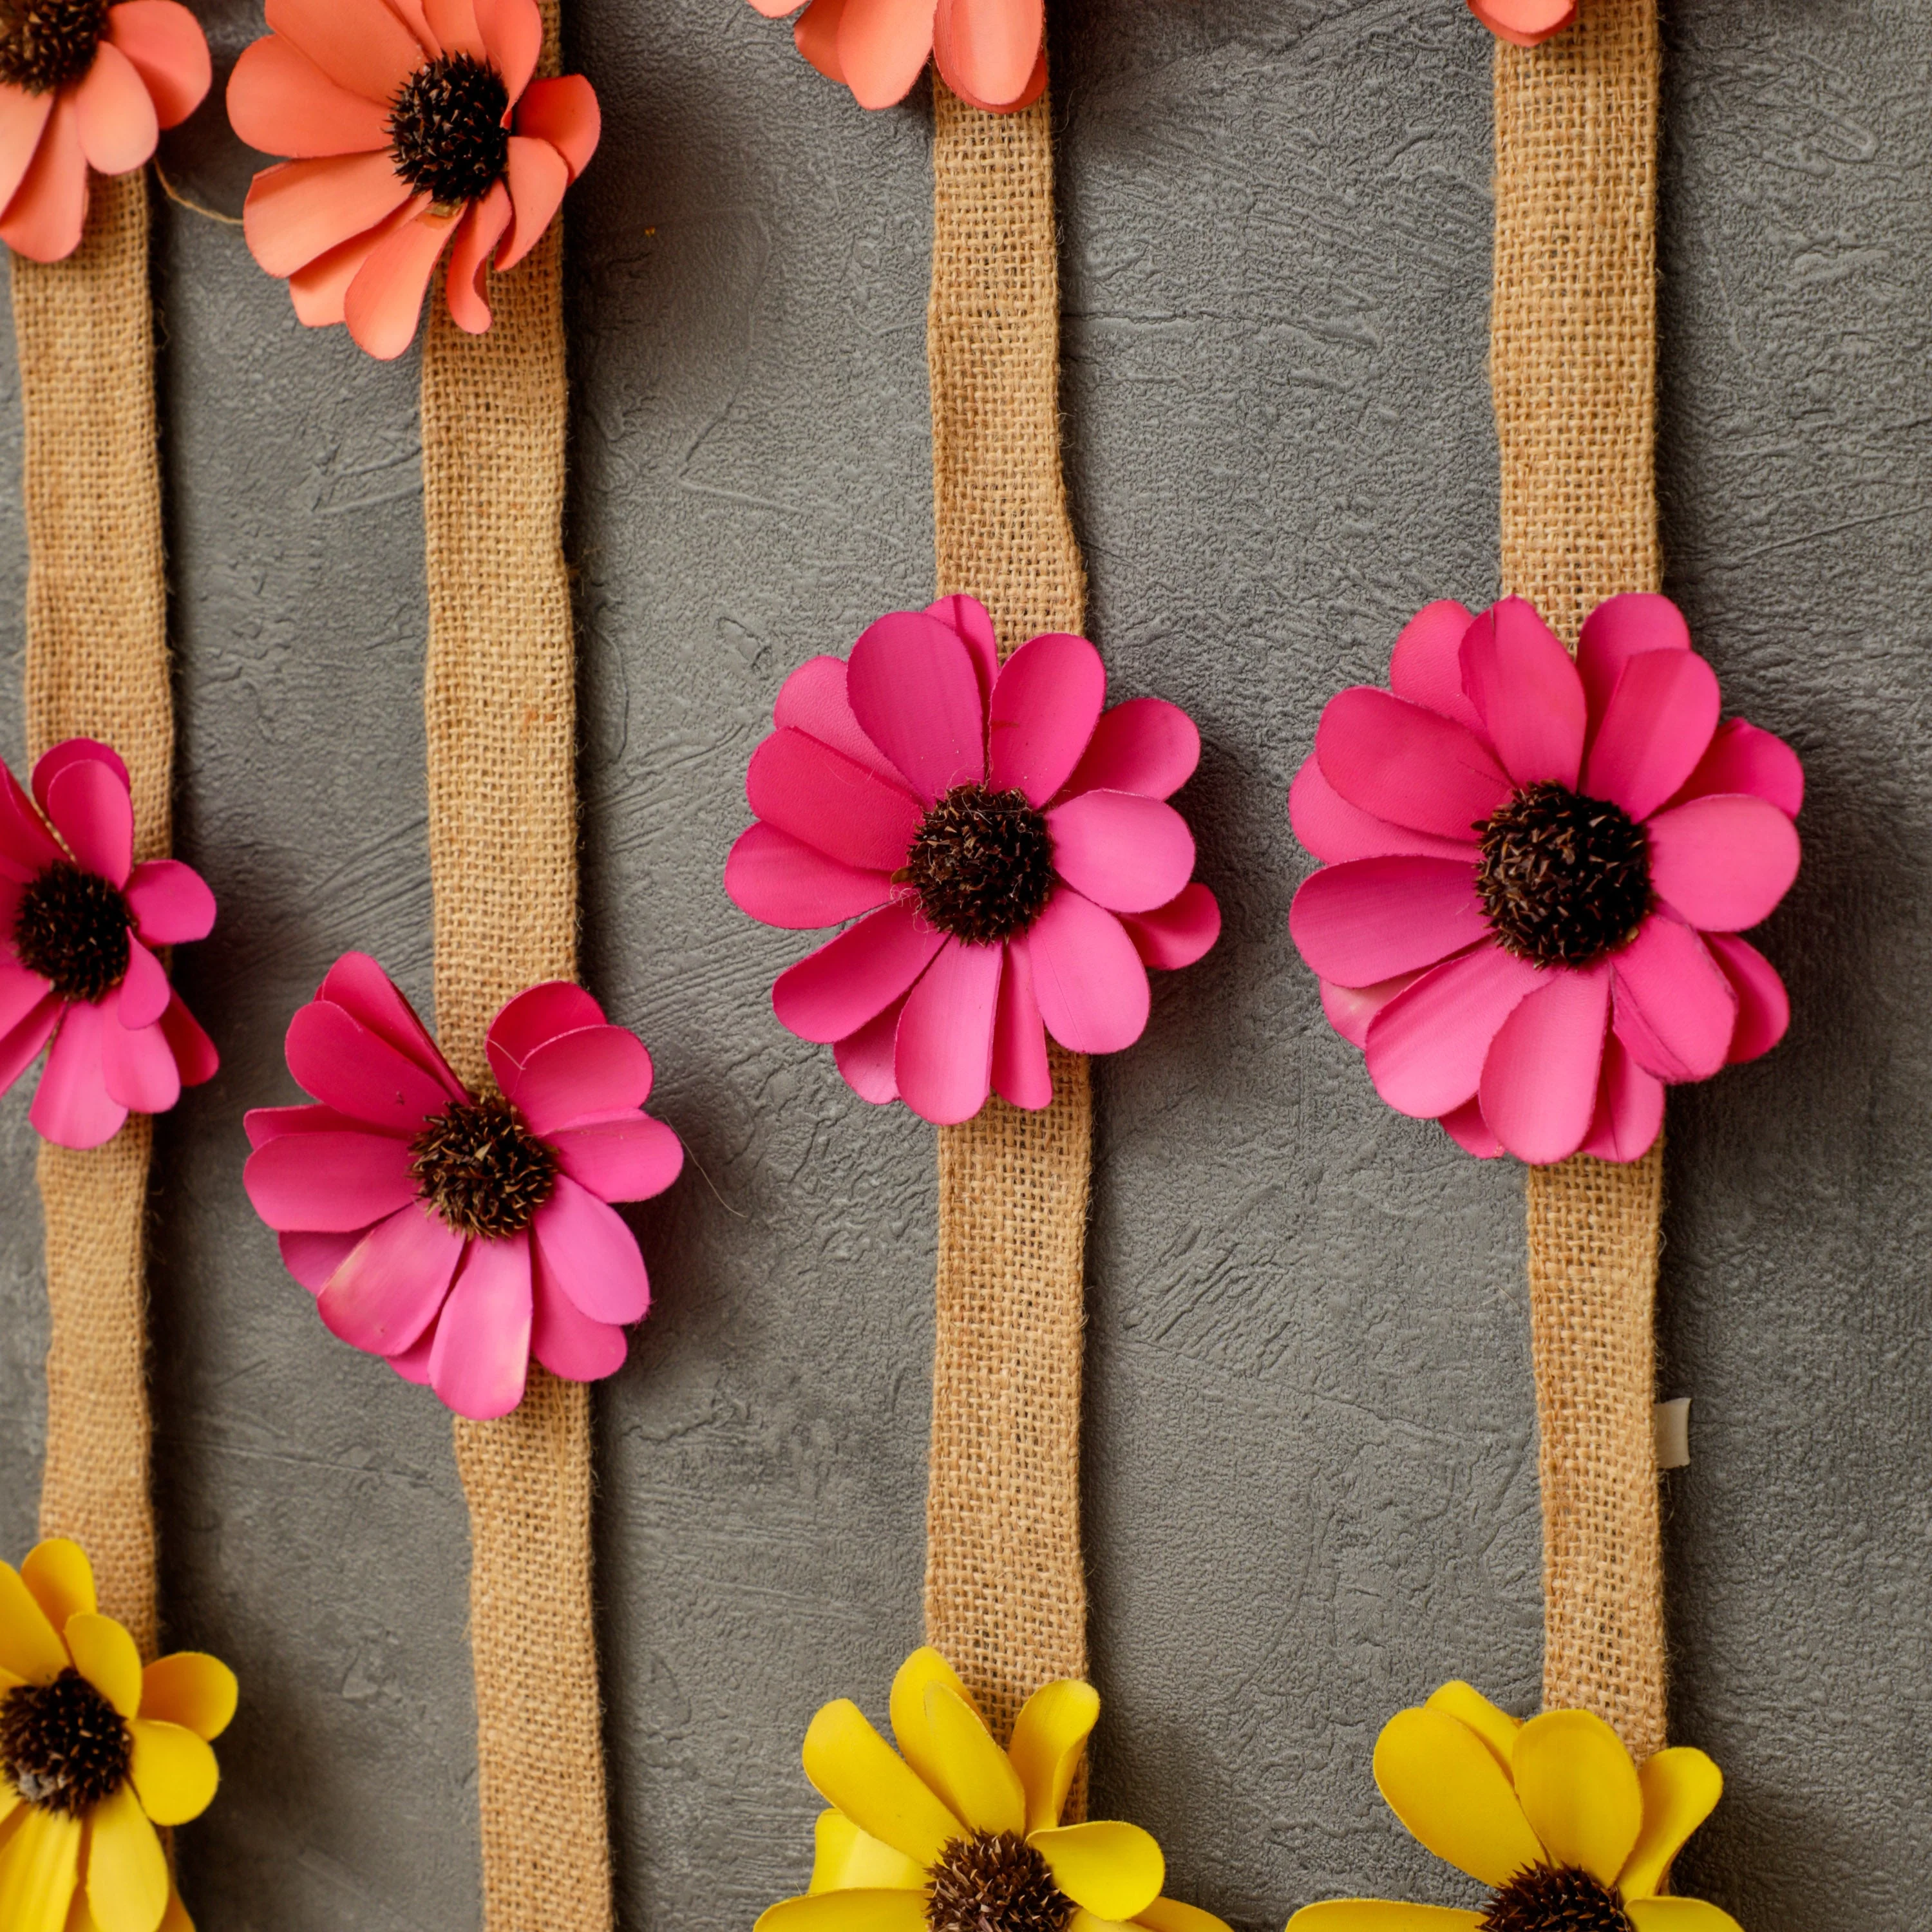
(454, 1234)
(79, 922)
(1006, 839)
(1536, 872)
(416, 127)
(84, 85)
(990, 53)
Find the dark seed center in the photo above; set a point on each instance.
(994, 1882)
(1564, 879)
(72, 929)
(46, 44)
(63, 1746)
(481, 1169)
(446, 129)
(983, 862)
(1555, 1898)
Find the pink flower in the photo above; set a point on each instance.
(1006, 840)
(416, 128)
(990, 53)
(84, 85)
(1524, 23)
(1536, 873)
(79, 923)
(454, 1234)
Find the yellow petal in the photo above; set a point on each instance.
(61, 1580)
(852, 1767)
(195, 1691)
(126, 1870)
(39, 1866)
(1380, 1914)
(29, 1646)
(9, 1800)
(1169, 1915)
(1579, 1790)
(172, 1770)
(176, 1918)
(890, 1911)
(78, 1918)
(1048, 1736)
(925, 1667)
(848, 1859)
(976, 1777)
(1114, 1869)
(1679, 1915)
(1084, 1920)
(1442, 1781)
(1680, 1787)
(104, 1654)
(1495, 1727)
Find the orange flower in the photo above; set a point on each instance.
(85, 85)
(988, 52)
(415, 127)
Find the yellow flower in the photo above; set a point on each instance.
(94, 1752)
(957, 1834)
(1552, 1816)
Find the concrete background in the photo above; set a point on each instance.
(1311, 1472)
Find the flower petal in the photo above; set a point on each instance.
(1022, 1074)
(72, 1106)
(850, 979)
(847, 1859)
(264, 1124)
(943, 1053)
(455, 24)
(1620, 628)
(852, 1767)
(537, 176)
(61, 1579)
(1425, 667)
(329, 1183)
(171, 902)
(1629, 1107)
(1145, 745)
(412, 1364)
(782, 881)
(1170, 1915)
(39, 1866)
(1724, 861)
(137, 1065)
(1442, 1780)
(1539, 1086)
(1381, 1914)
(319, 292)
(1764, 1007)
(579, 1075)
(44, 219)
(196, 1059)
(480, 1359)
(347, 1068)
(1049, 1735)
(173, 1771)
(27, 848)
(1464, 1126)
(144, 994)
(564, 111)
(1679, 1915)
(1680, 1789)
(1090, 983)
(912, 1725)
(374, 1000)
(537, 1016)
(864, 1058)
(1125, 853)
(312, 1258)
(1578, 1788)
(1179, 933)
(1426, 1047)
(590, 1253)
(20, 1044)
(1349, 1009)
(1373, 918)
(89, 805)
(882, 48)
(813, 700)
(387, 1290)
(23, 119)
(815, 34)
(1657, 725)
(563, 1338)
(299, 211)
(114, 113)
(1524, 23)
(1520, 679)
(190, 1688)
(913, 688)
(628, 1159)
(360, 44)
(1406, 764)
(30, 1646)
(976, 1777)
(987, 47)
(1114, 1869)
(104, 1654)
(821, 797)
(169, 52)
(972, 623)
(1674, 1009)
(512, 32)
(481, 229)
(1035, 87)
(1046, 703)
(1332, 828)
(384, 303)
(1743, 758)
(893, 1909)
(1468, 1705)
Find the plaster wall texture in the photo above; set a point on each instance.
(1310, 1485)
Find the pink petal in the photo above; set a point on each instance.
(913, 688)
(480, 1359)
(1629, 1107)
(1657, 726)
(1407, 765)
(563, 112)
(387, 1289)
(196, 1059)
(1349, 1009)
(264, 1124)
(169, 52)
(455, 24)
(1426, 1045)
(171, 902)
(299, 211)
(590, 1253)
(820, 796)
(44, 219)
(1022, 1076)
(1539, 1084)
(943, 1058)
(20, 1044)
(1425, 667)
(1145, 745)
(349, 1069)
(563, 1338)
(1724, 861)
(990, 47)
(577, 1076)
(1179, 933)
(784, 882)
(23, 118)
(1090, 983)
(144, 994)
(328, 1184)
(1125, 853)
(1743, 758)
(481, 229)
(72, 1106)
(318, 292)
(91, 810)
(972, 623)
(1764, 1007)
(1621, 628)
(882, 48)
(850, 980)
(629, 1158)
(20, 992)
(385, 302)
(1464, 1126)
(1333, 830)
(813, 701)
(27, 848)
(312, 1258)
(1046, 701)
(1370, 920)
(1520, 679)
(533, 1018)
(371, 998)
(114, 113)
(512, 33)
(1674, 1009)
(52, 762)
(537, 176)
(864, 1058)
(815, 33)
(412, 1364)
(360, 44)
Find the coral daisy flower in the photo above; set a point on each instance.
(415, 127)
(1551, 1817)
(79, 922)
(84, 85)
(1007, 841)
(1524, 23)
(990, 53)
(94, 1752)
(1536, 872)
(457, 1234)
(951, 1834)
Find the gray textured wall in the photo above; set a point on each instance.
(1311, 1485)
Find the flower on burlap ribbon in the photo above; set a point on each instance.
(1524, 23)
(991, 53)
(1535, 872)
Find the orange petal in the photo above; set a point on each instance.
(775, 9)
(279, 100)
(169, 51)
(49, 209)
(302, 209)
(512, 32)
(115, 114)
(23, 117)
(563, 112)
(320, 290)
(884, 45)
(1524, 23)
(537, 176)
(482, 229)
(453, 22)
(988, 48)
(417, 21)
(1031, 92)
(385, 302)
(816, 36)
(359, 44)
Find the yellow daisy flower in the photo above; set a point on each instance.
(94, 1752)
(1568, 1834)
(952, 1834)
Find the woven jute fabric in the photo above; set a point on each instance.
(1006, 1590)
(97, 666)
(1573, 362)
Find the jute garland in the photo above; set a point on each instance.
(1573, 365)
(97, 667)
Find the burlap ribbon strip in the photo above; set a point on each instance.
(97, 667)
(1573, 364)
(1005, 1592)
(499, 700)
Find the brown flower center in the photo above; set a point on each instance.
(481, 1169)
(72, 929)
(446, 131)
(994, 1882)
(983, 862)
(46, 44)
(63, 1746)
(1564, 879)
(1555, 1898)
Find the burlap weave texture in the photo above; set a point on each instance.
(1573, 365)
(97, 666)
